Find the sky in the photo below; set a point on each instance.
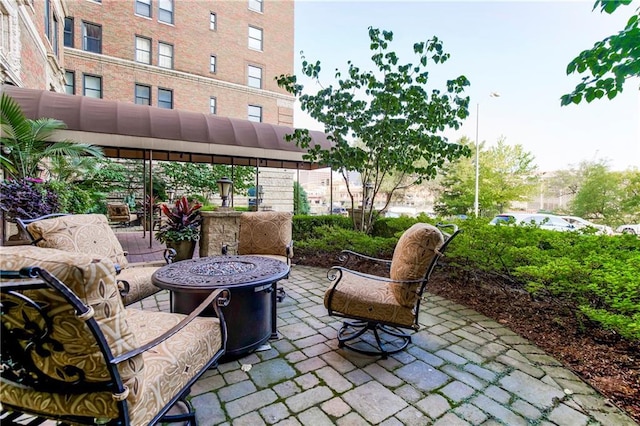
(517, 49)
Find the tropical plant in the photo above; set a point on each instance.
(396, 121)
(183, 222)
(25, 142)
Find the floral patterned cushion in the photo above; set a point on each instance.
(140, 285)
(367, 298)
(80, 233)
(411, 258)
(264, 233)
(93, 281)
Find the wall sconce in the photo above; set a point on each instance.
(260, 195)
(224, 187)
(171, 193)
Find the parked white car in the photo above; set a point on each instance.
(542, 221)
(580, 223)
(629, 229)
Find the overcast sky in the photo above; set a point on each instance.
(517, 49)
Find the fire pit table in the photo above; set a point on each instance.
(252, 280)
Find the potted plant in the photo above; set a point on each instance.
(182, 228)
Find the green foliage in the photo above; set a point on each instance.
(389, 227)
(306, 227)
(300, 200)
(609, 63)
(183, 222)
(505, 176)
(203, 178)
(73, 199)
(397, 122)
(25, 142)
(333, 239)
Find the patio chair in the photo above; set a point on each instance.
(266, 234)
(379, 308)
(120, 213)
(91, 234)
(71, 352)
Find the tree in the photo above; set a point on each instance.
(507, 174)
(601, 192)
(398, 123)
(609, 63)
(300, 200)
(25, 142)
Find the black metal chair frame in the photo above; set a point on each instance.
(20, 370)
(390, 338)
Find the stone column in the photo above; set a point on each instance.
(218, 227)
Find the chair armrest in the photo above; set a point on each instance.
(169, 255)
(217, 299)
(336, 272)
(346, 256)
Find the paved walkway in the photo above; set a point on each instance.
(461, 369)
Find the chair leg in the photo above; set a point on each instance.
(388, 340)
(181, 412)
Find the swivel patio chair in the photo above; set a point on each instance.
(266, 234)
(379, 309)
(72, 353)
(91, 234)
(120, 213)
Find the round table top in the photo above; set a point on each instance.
(207, 273)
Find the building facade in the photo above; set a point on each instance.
(209, 56)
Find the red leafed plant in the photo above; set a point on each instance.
(183, 222)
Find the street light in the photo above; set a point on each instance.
(477, 193)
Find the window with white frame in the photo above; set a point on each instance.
(165, 98)
(255, 38)
(165, 11)
(213, 21)
(92, 86)
(212, 63)
(47, 18)
(165, 55)
(213, 105)
(255, 113)
(68, 32)
(254, 78)
(91, 37)
(255, 5)
(143, 8)
(70, 82)
(143, 50)
(143, 94)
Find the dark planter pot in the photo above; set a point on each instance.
(184, 249)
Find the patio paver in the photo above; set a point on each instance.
(461, 369)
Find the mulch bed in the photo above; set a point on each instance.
(608, 362)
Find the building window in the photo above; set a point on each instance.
(213, 21)
(91, 37)
(143, 94)
(212, 63)
(255, 5)
(165, 8)
(255, 38)
(47, 18)
(254, 77)
(68, 32)
(143, 50)
(70, 82)
(143, 8)
(165, 55)
(92, 85)
(56, 37)
(213, 105)
(255, 113)
(165, 98)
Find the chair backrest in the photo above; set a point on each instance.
(80, 233)
(60, 335)
(414, 258)
(265, 233)
(118, 212)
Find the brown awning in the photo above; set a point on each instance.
(127, 130)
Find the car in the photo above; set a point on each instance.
(340, 210)
(629, 229)
(541, 220)
(580, 223)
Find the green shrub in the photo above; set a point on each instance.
(306, 227)
(392, 226)
(331, 240)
